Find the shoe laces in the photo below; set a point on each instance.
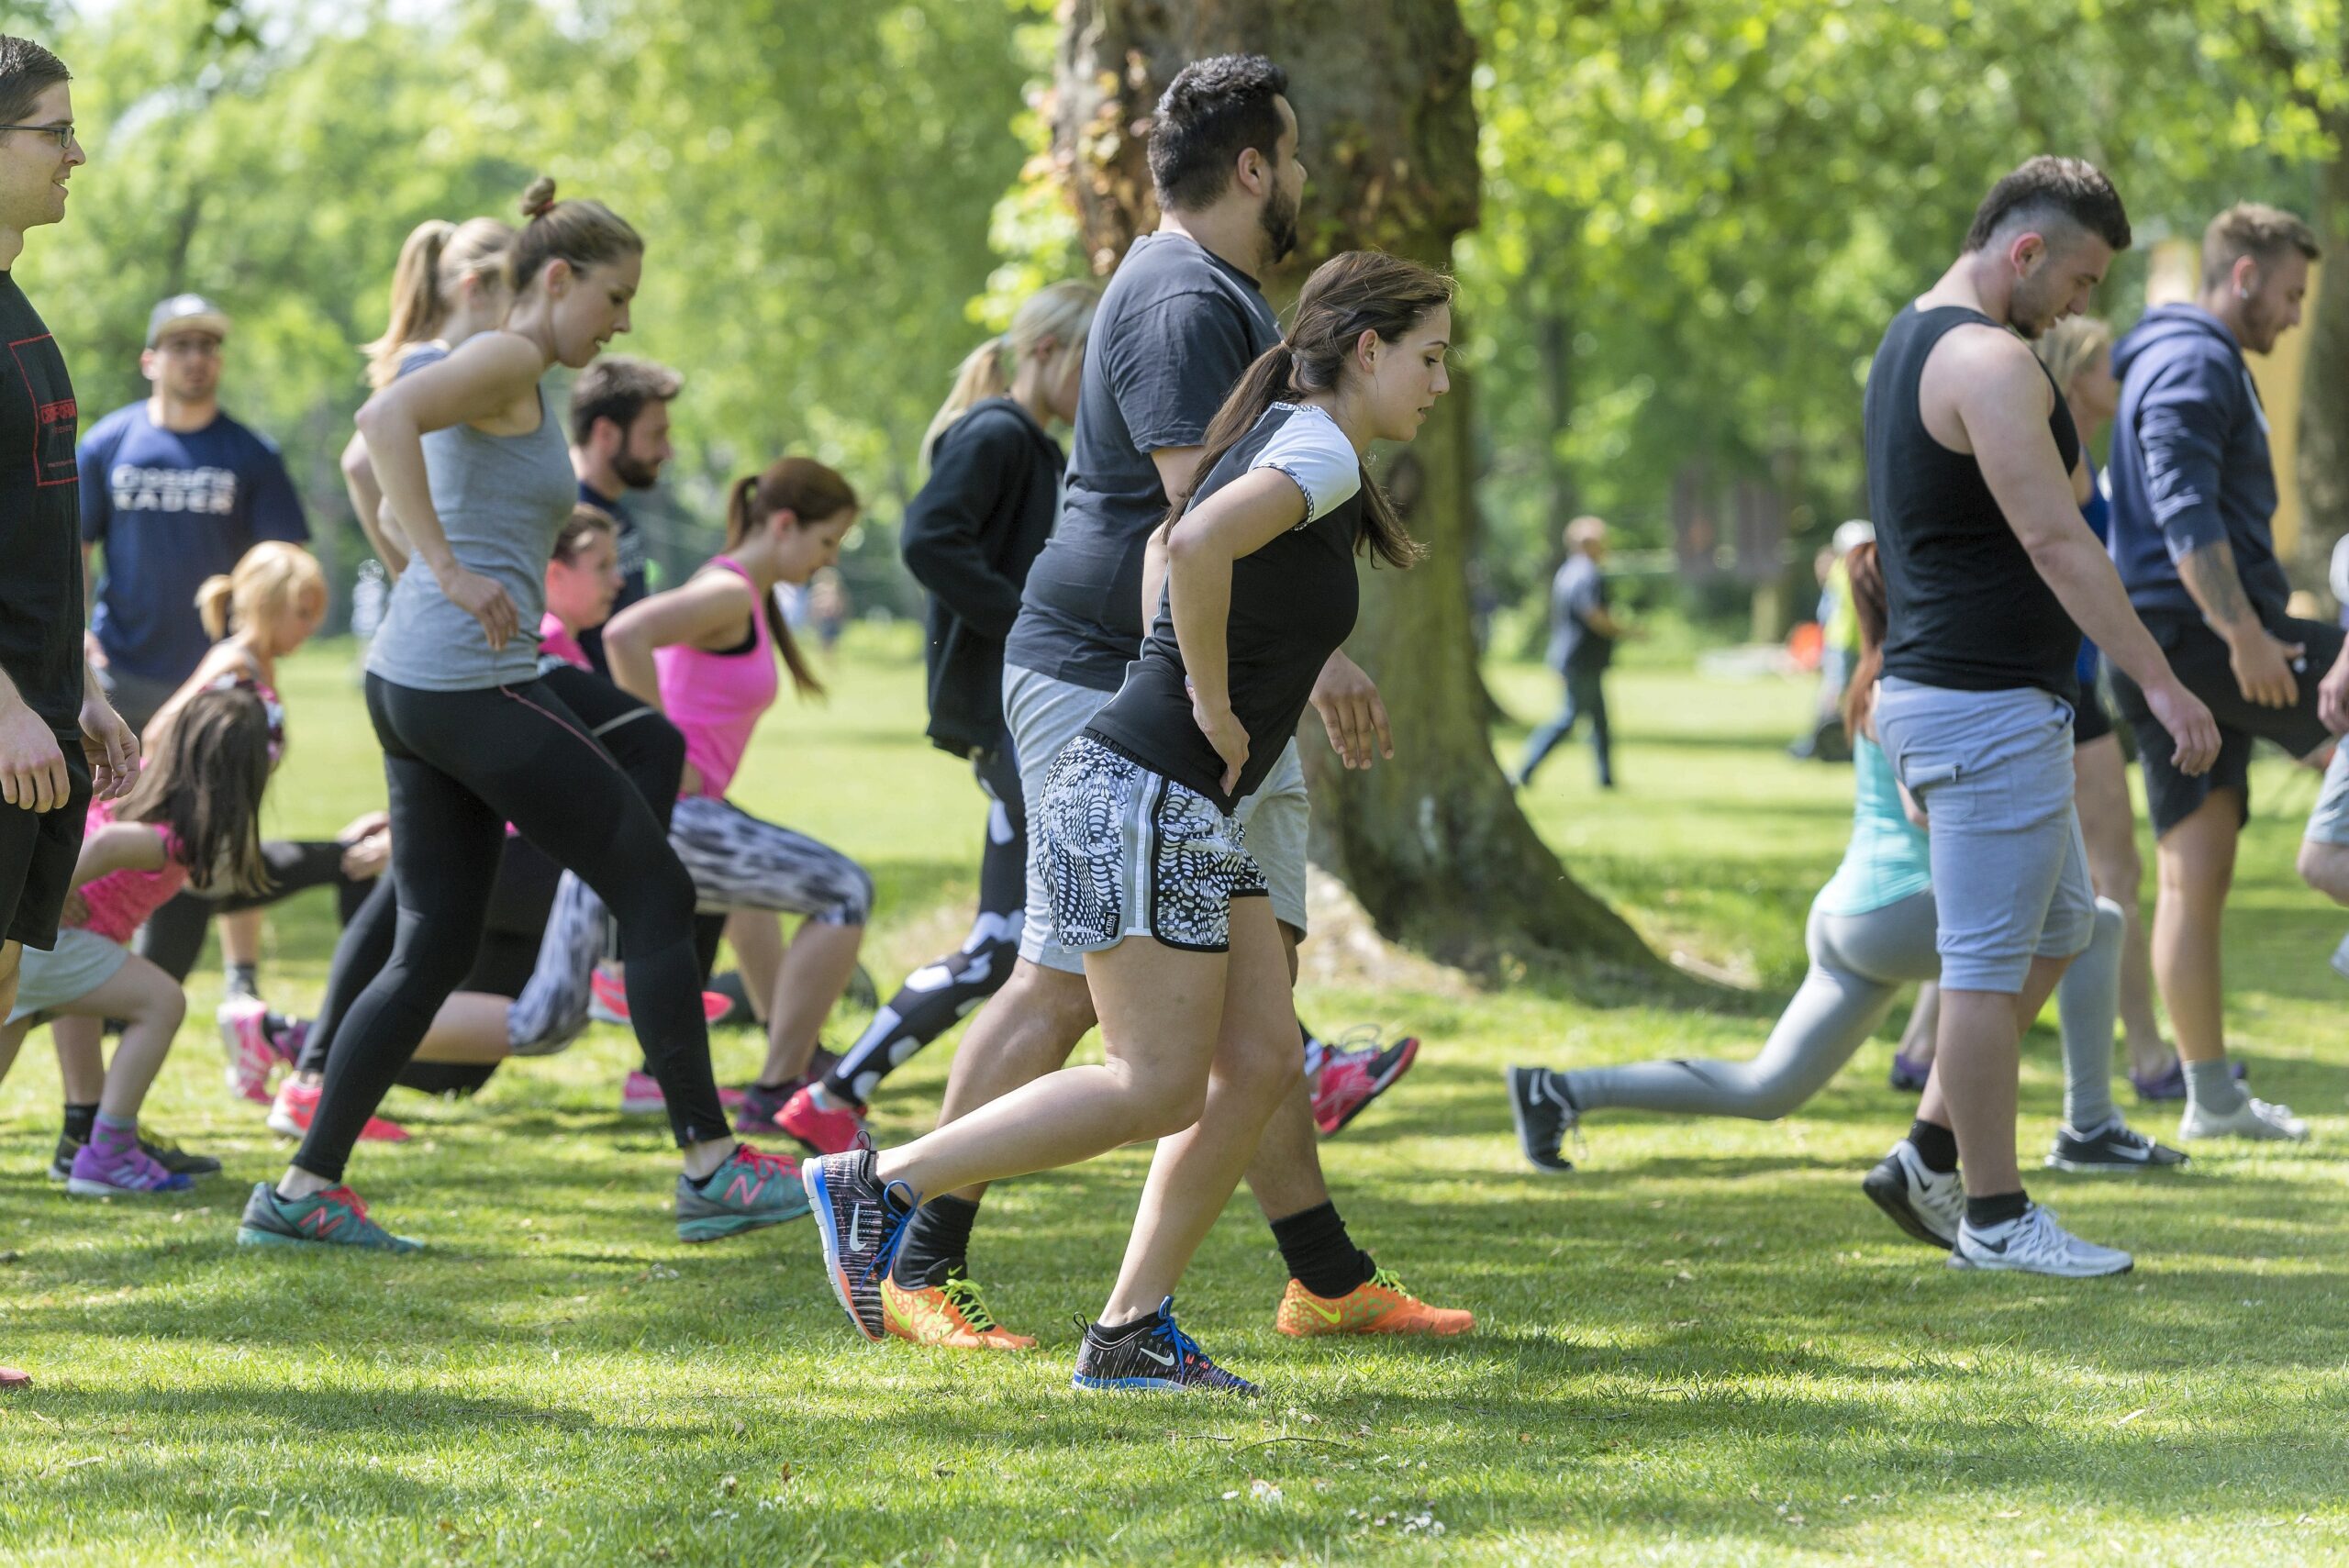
(892, 1236)
(964, 1296)
(1386, 1279)
(763, 1164)
(345, 1196)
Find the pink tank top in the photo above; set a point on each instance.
(555, 638)
(716, 698)
(120, 901)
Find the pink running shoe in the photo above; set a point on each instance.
(1350, 1079)
(823, 1131)
(298, 1104)
(104, 1173)
(607, 999)
(251, 1056)
(640, 1093)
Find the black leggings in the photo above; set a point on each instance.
(461, 766)
(173, 935)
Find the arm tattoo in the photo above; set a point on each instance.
(2209, 575)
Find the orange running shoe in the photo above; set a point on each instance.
(1381, 1306)
(951, 1317)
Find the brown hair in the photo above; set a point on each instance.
(1357, 292)
(265, 579)
(584, 522)
(811, 494)
(207, 782)
(435, 261)
(27, 71)
(2070, 346)
(2253, 230)
(2072, 188)
(1864, 574)
(580, 232)
(618, 387)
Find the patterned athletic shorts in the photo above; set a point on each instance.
(1127, 852)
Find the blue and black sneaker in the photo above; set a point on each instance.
(860, 1222)
(1152, 1354)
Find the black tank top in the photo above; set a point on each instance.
(1968, 609)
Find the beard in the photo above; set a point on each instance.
(634, 472)
(1278, 219)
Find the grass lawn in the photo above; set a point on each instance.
(1703, 1347)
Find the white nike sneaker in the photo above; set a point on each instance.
(2035, 1244)
(1926, 1203)
(2257, 1118)
(2340, 959)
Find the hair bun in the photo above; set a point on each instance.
(538, 200)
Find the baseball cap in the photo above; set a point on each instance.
(184, 312)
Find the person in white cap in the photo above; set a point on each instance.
(1839, 647)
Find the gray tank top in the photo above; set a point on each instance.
(502, 500)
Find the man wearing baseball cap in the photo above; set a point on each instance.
(173, 492)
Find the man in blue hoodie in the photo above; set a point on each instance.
(2193, 497)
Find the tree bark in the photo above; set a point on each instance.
(2323, 466)
(1432, 843)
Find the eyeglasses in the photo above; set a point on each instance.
(64, 134)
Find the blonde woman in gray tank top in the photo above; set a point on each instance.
(472, 461)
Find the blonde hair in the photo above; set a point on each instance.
(2071, 346)
(1062, 312)
(436, 260)
(580, 232)
(269, 579)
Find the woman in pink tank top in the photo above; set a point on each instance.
(705, 654)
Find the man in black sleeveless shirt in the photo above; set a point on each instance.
(1992, 575)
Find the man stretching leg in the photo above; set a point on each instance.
(1991, 576)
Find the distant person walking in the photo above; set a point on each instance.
(1583, 634)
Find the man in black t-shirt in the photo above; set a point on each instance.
(1583, 634)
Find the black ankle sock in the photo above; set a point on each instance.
(80, 1121)
(938, 1243)
(1126, 1331)
(1984, 1212)
(1319, 1254)
(242, 979)
(1936, 1146)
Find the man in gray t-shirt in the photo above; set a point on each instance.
(1583, 634)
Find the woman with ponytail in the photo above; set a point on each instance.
(705, 652)
(473, 461)
(969, 538)
(1148, 871)
(450, 284)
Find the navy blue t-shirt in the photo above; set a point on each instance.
(172, 507)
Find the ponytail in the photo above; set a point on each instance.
(810, 493)
(979, 377)
(212, 596)
(1864, 575)
(1060, 312)
(417, 305)
(268, 579)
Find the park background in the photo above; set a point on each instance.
(1679, 229)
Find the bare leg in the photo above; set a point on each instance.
(2326, 867)
(469, 1029)
(756, 937)
(2197, 862)
(1918, 1041)
(81, 1058)
(807, 985)
(12, 1037)
(1025, 1030)
(1285, 1176)
(239, 937)
(9, 953)
(2109, 825)
(1258, 1065)
(1971, 1091)
(151, 1004)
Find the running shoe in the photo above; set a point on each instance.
(751, 1191)
(1538, 1103)
(296, 1107)
(1928, 1205)
(821, 1131)
(11, 1378)
(244, 1034)
(1378, 1306)
(1908, 1076)
(164, 1150)
(1157, 1356)
(951, 1317)
(334, 1217)
(109, 1172)
(860, 1223)
(2340, 959)
(2115, 1146)
(2035, 1244)
(2169, 1083)
(1352, 1076)
(607, 999)
(640, 1095)
(2254, 1118)
(759, 1112)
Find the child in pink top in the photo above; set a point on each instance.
(193, 816)
(705, 653)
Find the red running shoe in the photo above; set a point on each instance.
(823, 1131)
(296, 1107)
(1350, 1079)
(607, 999)
(640, 1095)
(252, 1057)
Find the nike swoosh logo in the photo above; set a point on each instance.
(1325, 1314)
(1161, 1359)
(856, 1229)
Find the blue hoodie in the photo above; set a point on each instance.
(2190, 465)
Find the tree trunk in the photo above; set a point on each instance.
(1431, 843)
(2323, 464)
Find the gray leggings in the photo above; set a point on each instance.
(1858, 963)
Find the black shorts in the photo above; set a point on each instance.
(2092, 720)
(37, 854)
(2199, 656)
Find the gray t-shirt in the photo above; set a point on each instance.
(1177, 327)
(1576, 593)
(502, 500)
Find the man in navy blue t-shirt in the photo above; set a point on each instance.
(173, 491)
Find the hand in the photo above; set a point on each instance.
(366, 825)
(486, 600)
(1347, 699)
(32, 767)
(2263, 667)
(2333, 695)
(2192, 730)
(112, 747)
(363, 860)
(93, 650)
(1226, 734)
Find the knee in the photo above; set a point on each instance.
(1264, 1073)
(2111, 923)
(1060, 1003)
(2325, 868)
(1163, 1108)
(1776, 1098)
